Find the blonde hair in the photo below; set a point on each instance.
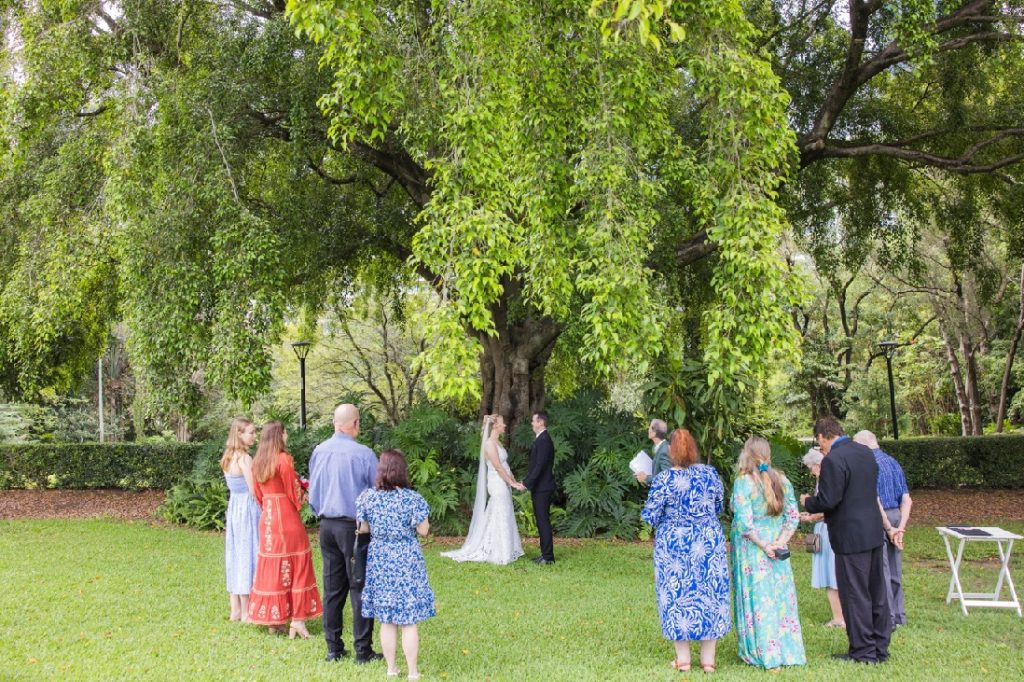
(757, 452)
(489, 421)
(234, 446)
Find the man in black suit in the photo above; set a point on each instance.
(848, 496)
(540, 481)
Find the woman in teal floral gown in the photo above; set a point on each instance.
(764, 598)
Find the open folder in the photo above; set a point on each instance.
(642, 462)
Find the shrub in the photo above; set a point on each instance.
(602, 499)
(995, 461)
(130, 466)
(197, 503)
(443, 455)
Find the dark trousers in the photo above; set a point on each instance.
(337, 539)
(894, 569)
(864, 596)
(542, 512)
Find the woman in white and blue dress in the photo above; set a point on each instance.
(691, 572)
(823, 562)
(396, 593)
(241, 541)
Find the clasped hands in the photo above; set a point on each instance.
(895, 537)
(518, 486)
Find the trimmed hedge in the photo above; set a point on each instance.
(130, 466)
(993, 461)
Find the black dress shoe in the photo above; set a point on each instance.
(542, 561)
(368, 657)
(335, 654)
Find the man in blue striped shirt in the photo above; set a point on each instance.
(894, 497)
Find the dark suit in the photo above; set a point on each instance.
(540, 481)
(848, 496)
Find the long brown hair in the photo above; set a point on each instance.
(264, 465)
(756, 460)
(234, 444)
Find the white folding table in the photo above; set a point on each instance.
(1004, 542)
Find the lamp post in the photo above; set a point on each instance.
(301, 349)
(889, 350)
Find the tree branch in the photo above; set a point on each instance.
(962, 164)
(318, 169)
(856, 71)
(695, 248)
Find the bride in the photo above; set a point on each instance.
(493, 536)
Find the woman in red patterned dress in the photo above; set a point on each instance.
(284, 589)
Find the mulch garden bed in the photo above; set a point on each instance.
(80, 504)
(931, 507)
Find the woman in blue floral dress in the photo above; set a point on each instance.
(691, 572)
(764, 518)
(396, 593)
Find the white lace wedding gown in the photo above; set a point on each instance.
(499, 542)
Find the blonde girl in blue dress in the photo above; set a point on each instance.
(241, 539)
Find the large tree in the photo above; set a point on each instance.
(511, 154)
(524, 158)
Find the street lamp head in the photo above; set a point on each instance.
(888, 347)
(301, 349)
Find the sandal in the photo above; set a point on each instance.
(708, 667)
(835, 624)
(680, 666)
(394, 673)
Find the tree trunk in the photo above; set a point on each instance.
(513, 362)
(971, 383)
(958, 382)
(1004, 387)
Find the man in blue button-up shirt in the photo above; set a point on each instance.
(339, 470)
(894, 496)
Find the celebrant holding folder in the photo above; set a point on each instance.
(656, 432)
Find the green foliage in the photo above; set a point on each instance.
(53, 420)
(787, 455)
(441, 462)
(553, 154)
(995, 461)
(601, 499)
(129, 466)
(302, 443)
(199, 503)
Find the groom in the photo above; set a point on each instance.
(541, 484)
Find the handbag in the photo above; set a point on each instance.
(782, 553)
(812, 543)
(357, 571)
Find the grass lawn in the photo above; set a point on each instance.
(111, 600)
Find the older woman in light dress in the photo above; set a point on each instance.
(823, 562)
